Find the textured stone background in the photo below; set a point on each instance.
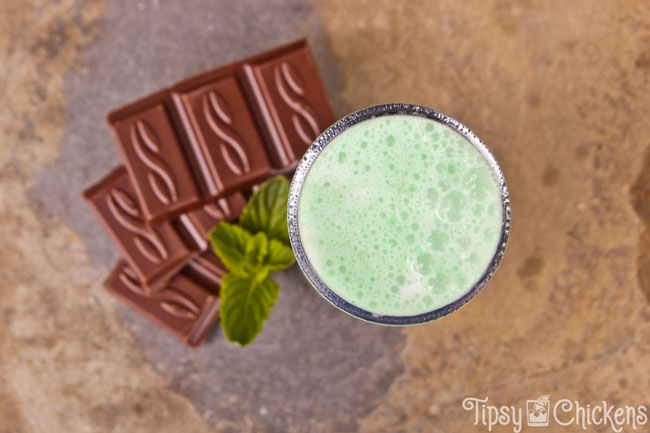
(559, 90)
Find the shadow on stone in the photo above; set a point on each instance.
(640, 192)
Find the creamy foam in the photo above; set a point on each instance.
(400, 215)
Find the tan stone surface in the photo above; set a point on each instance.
(65, 364)
(560, 91)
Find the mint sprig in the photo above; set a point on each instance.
(251, 251)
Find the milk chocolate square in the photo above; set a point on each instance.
(184, 307)
(154, 253)
(223, 143)
(291, 103)
(154, 158)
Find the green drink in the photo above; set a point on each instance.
(398, 214)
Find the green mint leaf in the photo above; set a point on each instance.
(245, 305)
(248, 255)
(257, 249)
(251, 251)
(231, 244)
(280, 256)
(266, 210)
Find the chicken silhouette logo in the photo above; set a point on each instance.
(538, 411)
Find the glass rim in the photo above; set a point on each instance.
(314, 151)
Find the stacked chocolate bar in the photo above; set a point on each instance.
(191, 154)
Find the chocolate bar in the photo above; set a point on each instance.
(196, 224)
(154, 253)
(192, 153)
(290, 101)
(221, 131)
(154, 158)
(185, 307)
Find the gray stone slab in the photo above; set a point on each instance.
(312, 367)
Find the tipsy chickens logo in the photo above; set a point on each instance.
(541, 413)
